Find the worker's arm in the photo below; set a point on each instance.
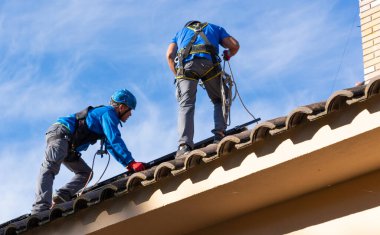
(231, 44)
(170, 56)
(115, 144)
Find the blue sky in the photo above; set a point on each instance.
(58, 57)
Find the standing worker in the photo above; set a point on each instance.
(72, 134)
(193, 55)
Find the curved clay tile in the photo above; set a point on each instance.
(32, 222)
(209, 150)
(16, 227)
(300, 114)
(67, 207)
(121, 184)
(108, 192)
(338, 100)
(10, 230)
(150, 176)
(41, 217)
(195, 157)
(26, 223)
(91, 197)
(164, 169)
(261, 131)
(100, 194)
(244, 136)
(56, 213)
(80, 203)
(373, 88)
(226, 145)
(135, 180)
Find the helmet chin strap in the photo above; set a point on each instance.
(123, 113)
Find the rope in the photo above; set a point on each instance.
(227, 99)
(92, 172)
(227, 102)
(344, 51)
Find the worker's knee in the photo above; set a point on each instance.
(49, 167)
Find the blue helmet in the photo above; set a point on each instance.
(124, 96)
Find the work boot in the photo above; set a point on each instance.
(182, 149)
(60, 198)
(218, 136)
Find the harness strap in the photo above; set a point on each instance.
(203, 48)
(190, 48)
(184, 53)
(214, 72)
(213, 51)
(81, 133)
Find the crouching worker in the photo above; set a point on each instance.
(72, 134)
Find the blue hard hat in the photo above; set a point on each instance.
(124, 96)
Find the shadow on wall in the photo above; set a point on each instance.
(325, 205)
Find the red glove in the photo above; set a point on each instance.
(135, 166)
(226, 55)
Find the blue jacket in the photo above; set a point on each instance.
(215, 34)
(103, 121)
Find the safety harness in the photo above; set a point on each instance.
(82, 134)
(199, 48)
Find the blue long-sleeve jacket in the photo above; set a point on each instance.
(103, 121)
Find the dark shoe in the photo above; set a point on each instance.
(218, 136)
(61, 197)
(58, 200)
(182, 149)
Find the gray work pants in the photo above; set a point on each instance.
(186, 95)
(55, 154)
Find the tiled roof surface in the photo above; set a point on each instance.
(125, 184)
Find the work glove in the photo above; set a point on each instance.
(135, 166)
(226, 55)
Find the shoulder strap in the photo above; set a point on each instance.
(82, 133)
(198, 30)
(83, 114)
(197, 26)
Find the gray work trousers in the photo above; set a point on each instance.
(56, 153)
(186, 95)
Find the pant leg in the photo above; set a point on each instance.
(201, 66)
(55, 153)
(213, 88)
(186, 95)
(82, 173)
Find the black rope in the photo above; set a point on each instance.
(236, 92)
(99, 152)
(344, 51)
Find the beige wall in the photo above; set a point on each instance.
(370, 27)
(349, 208)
